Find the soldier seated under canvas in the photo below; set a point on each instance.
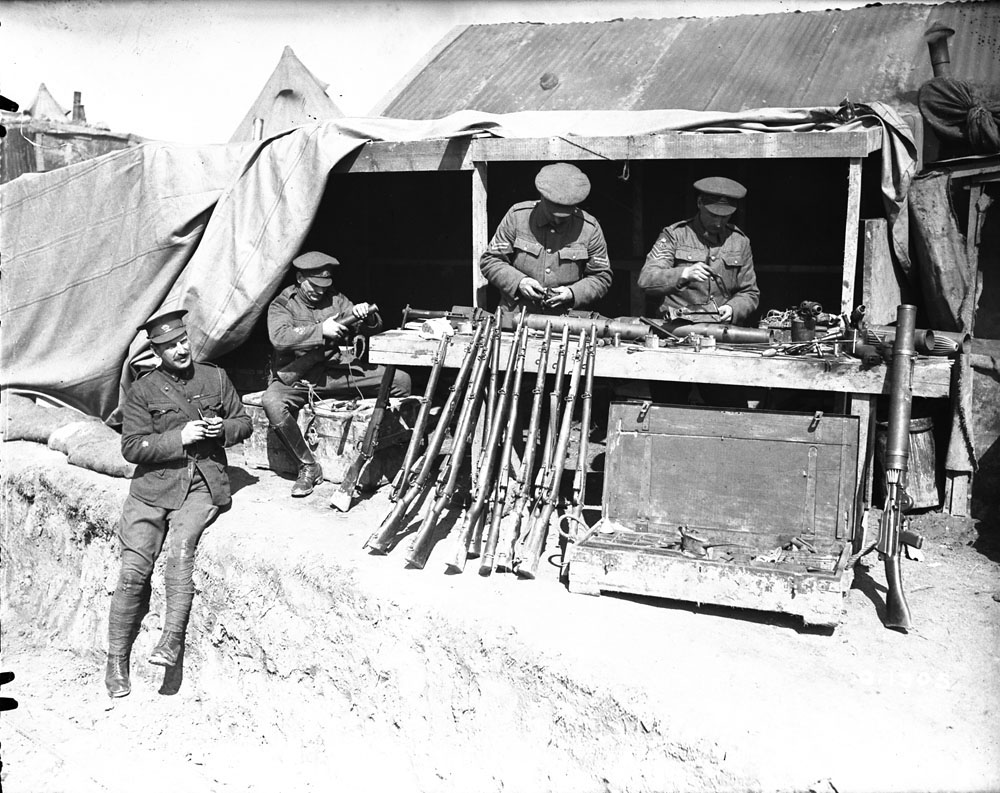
(310, 325)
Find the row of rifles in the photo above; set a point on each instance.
(485, 396)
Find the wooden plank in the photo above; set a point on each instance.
(680, 146)
(880, 287)
(480, 232)
(931, 376)
(863, 406)
(381, 156)
(851, 234)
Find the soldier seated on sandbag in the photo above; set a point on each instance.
(310, 324)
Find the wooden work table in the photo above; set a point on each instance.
(633, 360)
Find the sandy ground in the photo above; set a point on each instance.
(458, 682)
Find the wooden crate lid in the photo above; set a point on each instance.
(739, 474)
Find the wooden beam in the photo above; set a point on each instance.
(681, 146)
(458, 154)
(851, 234)
(480, 232)
(380, 156)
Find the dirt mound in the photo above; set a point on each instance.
(311, 663)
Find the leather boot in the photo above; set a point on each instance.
(123, 624)
(310, 472)
(116, 676)
(168, 649)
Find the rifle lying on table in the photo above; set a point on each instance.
(894, 530)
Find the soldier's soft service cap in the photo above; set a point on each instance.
(316, 267)
(719, 194)
(563, 183)
(165, 327)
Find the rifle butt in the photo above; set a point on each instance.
(421, 547)
(897, 611)
(534, 544)
(381, 539)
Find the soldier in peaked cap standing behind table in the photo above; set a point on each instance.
(176, 421)
(549, 255)
(702, 268)
(302, 323)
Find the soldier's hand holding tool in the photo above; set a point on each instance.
(333, 329)
(557, 297)
(212, 426)
(725, 313)
(531, 289)
(696, 272)
(194, 431)
(361, 310)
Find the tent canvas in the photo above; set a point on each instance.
(291, 96)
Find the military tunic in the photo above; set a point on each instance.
(296, 331)
(157, 407)
(526, 244)
(686, 243)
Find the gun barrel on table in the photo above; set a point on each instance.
(893, 529)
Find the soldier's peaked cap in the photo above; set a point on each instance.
(165, 327)
(563, 183)
(719, 194)
(315, 265)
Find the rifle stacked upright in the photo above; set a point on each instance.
(480, 473)
(894, 531)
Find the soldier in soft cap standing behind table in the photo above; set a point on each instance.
(177, 419)
(302, 322)
(702, 268)
(549, 255)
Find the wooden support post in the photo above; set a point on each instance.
(637, 298)
(480, 232)
(851, 234)
(863, 406)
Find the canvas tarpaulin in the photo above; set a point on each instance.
(91, 251)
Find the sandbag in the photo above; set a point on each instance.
(26, 421)
(64, 438)
(103, 455)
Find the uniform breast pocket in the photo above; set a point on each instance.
(164, 417)
(684, 257)
(573, 262)
(211, 406)
(529, 247)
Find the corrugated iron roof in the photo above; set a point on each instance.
(796, 59)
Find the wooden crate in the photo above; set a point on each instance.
(334, 431)
(742, 484)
